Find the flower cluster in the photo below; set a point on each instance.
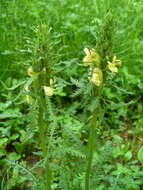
(49, 91)
(92, 59)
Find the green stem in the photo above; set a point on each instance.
(91, 140)
(42, 134)
(90, 152)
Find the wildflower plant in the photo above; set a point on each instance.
(39, 86)
(102, 64)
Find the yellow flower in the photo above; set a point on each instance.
(97, 77)
(116, 61)
(29, 99)
(91, 57)
(112, 66)
(49, 91)
(30, 72)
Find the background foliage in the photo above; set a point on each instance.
(74, 25)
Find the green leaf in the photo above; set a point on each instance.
(13, 156)
(13, 87)
(140, 155)
(128, 155)
(3, 141)
(14, 136)
(117, 139)
(2, 153)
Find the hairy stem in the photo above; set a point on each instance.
(91, 143)
(92, 136)
(89, 157)
(42, 135)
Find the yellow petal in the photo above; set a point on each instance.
(91, 57)
(51, 82)
(116, 61)
(97, 77)
(49, 91)
(30, 72)
(87, 51)
(29, 99)
(112, 67)
(87, 60)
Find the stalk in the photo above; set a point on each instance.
(99, 64)
(91, 143)
(89, 156)
(42, 72)
(42, 135)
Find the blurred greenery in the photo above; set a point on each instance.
(74, 25)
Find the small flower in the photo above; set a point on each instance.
(29, 99)
(91, 57)
(30, 72)
(112, 66)
(97, 77)
(116, 61)
(49, 91)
